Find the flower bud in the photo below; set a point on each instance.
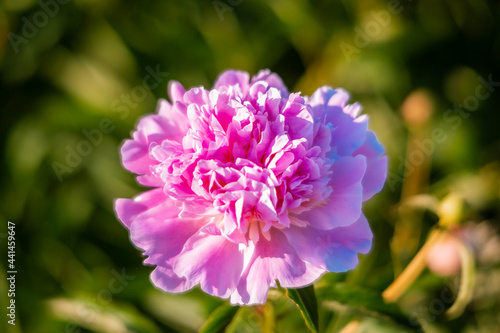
(450, 210)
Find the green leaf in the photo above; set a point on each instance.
(219, 319)
(305, 298)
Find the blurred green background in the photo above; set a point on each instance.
(68, 68)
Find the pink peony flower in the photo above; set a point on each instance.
(252, 185)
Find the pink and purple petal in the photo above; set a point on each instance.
(272, 80)
(376, 165)
(164, 278)
(161, 233)
(273, 260)
(212, 261)
(128, 209)
(334, 250)
(232, 78)
(344, 204)
(253, 185)
(176, 91)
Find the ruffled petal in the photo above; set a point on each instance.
(376, 165)
(319, 100)
(272, 260)
(334, 250)
(196, 96)
(128, 209)
(347, 132)
(156, 128)
(135, 156)
(344, 204)
(212, 261)
(161, 233)
(150, 180)
(151, 129)
(176, 91)
(156, 229)
(232, 78)
(272, 79)
(164, 278)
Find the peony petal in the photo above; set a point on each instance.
(196, 96)
(153, 128)
(212, 261)
(155, 228)
(340, 98)
(344, 204)
(334, 250)
(164, 278)
(272, 260)
(156, 128)
(327, 96)
(161, 233)
(272, 79)
(176, 91)
(322, 137)
(299, 121)
(163, 107)
(175, 114)
(376, 165)
(319, 99)
(150, 180)
(128, 209)
(348, 133)
(135, 156)
(231, 78)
